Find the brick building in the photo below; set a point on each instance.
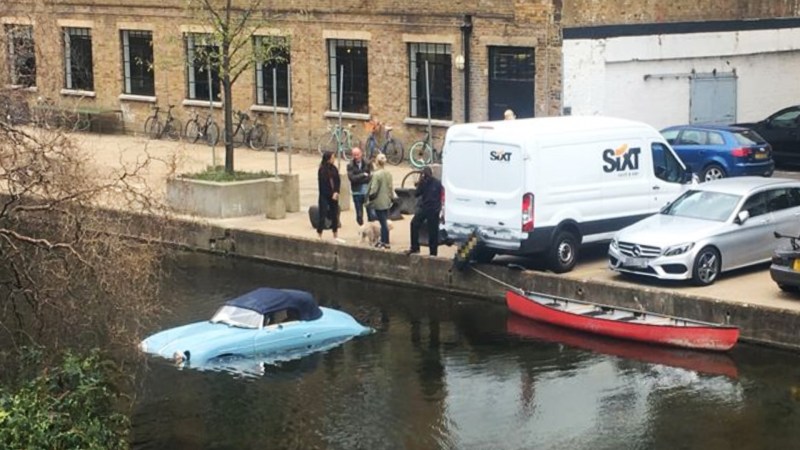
(121, 57)
(482, 56)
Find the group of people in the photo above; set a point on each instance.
(373, 192)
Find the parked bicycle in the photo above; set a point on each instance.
(423, 152)
(156, 129)
(391, 147)
(197, 129)
(339, 140)
(248, 132)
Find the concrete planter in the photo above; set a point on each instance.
(216, 199)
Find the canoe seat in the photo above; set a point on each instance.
(595, 313)
(581, 309)
(628, 318)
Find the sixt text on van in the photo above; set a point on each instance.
(500, 156)
(621, 159)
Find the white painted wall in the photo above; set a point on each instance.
(608, 76)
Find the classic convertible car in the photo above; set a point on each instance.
(264, 321)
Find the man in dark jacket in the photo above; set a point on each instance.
(359, 174)
(429, 205)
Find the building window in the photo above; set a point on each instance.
(21, 55)
(350, 56)
(78, 59)
(438, 57)
(275, 52)
(202, 56)
(137, 62)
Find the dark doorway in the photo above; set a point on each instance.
(511, 81)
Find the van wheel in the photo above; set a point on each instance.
(483, 256)
(564, 252)
(707, 266)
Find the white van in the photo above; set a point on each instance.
(546, 185)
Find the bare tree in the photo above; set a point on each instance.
(235, 49)
(70, 274)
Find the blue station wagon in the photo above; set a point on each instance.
(716, 151)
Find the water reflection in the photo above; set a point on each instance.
(446, 372)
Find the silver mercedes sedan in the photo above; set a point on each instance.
(716, 226)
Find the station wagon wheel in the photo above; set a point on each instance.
(713, 172)
(707, 266)
(564, 252)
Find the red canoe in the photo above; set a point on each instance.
(623, 323)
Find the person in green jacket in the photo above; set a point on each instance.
(381, 196)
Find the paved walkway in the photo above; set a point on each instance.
(112, 151)
(751, 286)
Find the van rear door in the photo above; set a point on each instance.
(484, 181)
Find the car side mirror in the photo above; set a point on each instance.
(742, 217)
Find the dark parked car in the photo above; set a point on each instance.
(715, 151)
(782, 131)
(785, 268)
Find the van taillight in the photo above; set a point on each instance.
(741, 152)
(441, 215)
(527, 213)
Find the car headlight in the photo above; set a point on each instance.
(678, 249)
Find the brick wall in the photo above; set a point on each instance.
(604, 12)
(389, 25)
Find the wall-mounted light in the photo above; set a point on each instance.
(460, 62)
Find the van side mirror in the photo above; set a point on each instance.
(742, 217)
(664, 208)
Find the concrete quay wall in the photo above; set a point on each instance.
(759, 324)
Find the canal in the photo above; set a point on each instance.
(447, 372)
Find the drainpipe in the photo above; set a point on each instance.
(466, 34)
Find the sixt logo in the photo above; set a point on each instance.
(500, 155)
(623, 158)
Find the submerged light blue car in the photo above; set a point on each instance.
(264, 321)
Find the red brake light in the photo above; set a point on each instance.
(741, 152)
(441, 215)
(527, 212)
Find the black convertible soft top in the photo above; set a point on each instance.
(266, 300)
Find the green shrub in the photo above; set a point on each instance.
(217, 173)
(71, 406)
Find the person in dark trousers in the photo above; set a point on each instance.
(328, 202)
(359, 174)
(429, 205)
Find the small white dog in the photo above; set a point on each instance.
(370, 232)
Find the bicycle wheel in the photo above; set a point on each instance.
(212, 134)
(411, 178)
(152, 128)
(192, 131)
(238, 137)
(173, 129)
(258, 137)
(81, 123)
(393, 150)
(327, 143)
(348, 142)
(420, 154)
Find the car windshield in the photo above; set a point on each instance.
(237, 317)
(748, 137)
(706, 205)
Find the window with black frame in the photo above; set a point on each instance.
(137, 62)
(350, 56)
(438, 57)
(21, 55)
(78, 69)
(272, 75)
(202, 56)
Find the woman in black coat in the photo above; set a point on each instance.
(328, 203)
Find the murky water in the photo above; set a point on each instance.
(455, 373)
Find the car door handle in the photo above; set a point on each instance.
(656, 188)
(491, 202)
